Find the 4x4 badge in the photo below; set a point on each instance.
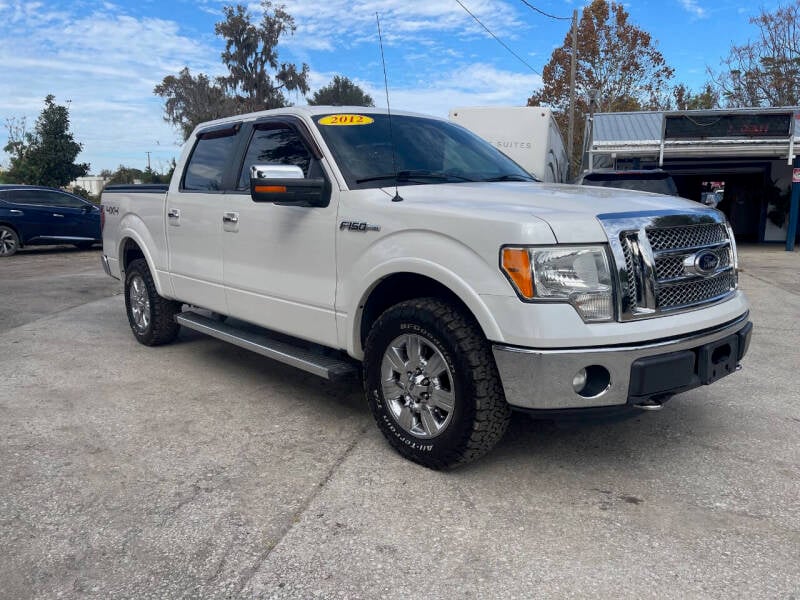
(358, 226)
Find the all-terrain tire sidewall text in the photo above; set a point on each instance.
(480, 414)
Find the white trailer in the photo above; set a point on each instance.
(529, 135)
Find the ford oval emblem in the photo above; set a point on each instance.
(706, 262)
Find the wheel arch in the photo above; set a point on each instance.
(16, 230)
(131, 248)
(409, 284)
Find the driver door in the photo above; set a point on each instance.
(279, 261)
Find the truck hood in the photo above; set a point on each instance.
(570, 210)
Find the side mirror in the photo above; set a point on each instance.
(285, 184)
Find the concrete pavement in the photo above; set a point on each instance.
(201, 470)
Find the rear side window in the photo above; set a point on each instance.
(30, 197)
(208, 164)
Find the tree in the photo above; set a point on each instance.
(341, 91)
(255, 79)
(618, 64)
(125, 174)
(47, 155)
(686, 100)
(192, 100)
(766, 71)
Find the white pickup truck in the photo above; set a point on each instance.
(348, 241)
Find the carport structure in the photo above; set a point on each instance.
(747, 156)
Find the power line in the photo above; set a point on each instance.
(499, 41)
(541, 12)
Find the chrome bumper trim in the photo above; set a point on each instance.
(542, 379)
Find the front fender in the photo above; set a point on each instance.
(452, 264)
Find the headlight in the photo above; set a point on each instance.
(579, 275)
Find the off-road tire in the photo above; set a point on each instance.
(9, 241)
(480, 413)
(161, 327)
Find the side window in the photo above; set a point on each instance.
(274, 143)
(63, 200)
(32, 197)
(206, 168)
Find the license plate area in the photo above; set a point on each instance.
(717, 359)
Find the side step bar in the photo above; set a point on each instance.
(315, 362)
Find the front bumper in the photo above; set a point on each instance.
(542, 379)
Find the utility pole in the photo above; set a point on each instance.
(148, 160)
(571, 128)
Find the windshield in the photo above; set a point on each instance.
(426, 151)
(658, 183)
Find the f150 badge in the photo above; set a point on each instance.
(358, 226)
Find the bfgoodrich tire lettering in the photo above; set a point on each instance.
(151, 317)
(439, 404)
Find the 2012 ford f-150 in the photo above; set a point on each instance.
(338, 240)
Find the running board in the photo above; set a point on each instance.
(315, 362)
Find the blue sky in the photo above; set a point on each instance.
(104, 58)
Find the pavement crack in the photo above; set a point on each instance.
(295, 518)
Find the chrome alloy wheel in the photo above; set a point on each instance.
(417, 386)
(140, 303)
(8, 243)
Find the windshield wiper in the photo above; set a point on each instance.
(401, 176)
(511, 177)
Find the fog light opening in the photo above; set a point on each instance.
(591, 381)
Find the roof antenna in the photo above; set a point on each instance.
(397, 197)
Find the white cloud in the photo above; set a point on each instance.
(692, 6)
(471, 85)
(105, 65)
(105, 62)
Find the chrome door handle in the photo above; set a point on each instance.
(174, 213)
(14, 211)
(58, 215)
(230, 218)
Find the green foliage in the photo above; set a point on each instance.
(256, 79)
(132, 175)
(85, 194)
(341, 91)
(685, 99)
(47, 155)
(191, 100)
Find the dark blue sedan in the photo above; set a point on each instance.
(32, 215)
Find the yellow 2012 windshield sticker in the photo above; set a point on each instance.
(346, 120)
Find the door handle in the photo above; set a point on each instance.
(58, 215)
(14, 211)
(174, 213)
(230, 217)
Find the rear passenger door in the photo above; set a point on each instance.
(33, 216)
(194, 215)
(279, 260)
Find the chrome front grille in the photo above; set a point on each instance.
(692, 236)
(668, 261)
